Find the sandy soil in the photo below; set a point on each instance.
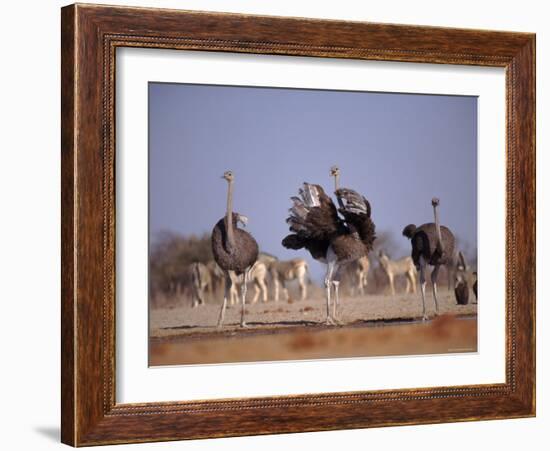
(372, 325)
(185, 320)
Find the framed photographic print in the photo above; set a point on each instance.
(280, 224)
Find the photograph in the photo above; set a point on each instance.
(296, 224)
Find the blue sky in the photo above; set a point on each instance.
(398, 150)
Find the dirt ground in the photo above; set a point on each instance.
(372, 325)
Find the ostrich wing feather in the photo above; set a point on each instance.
(313, 214)
(356, 210)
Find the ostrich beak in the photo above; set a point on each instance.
(243, 220)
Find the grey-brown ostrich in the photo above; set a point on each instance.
(329, 238)
(432, 244)
(233, 249)
(462, 290)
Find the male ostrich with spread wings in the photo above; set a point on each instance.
(330, 238)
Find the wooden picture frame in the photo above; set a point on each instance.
(90, 36)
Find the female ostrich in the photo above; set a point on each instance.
(462, 291)
(462, 294)
(329, 238)
(432, 244)
(233, 248)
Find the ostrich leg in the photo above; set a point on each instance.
(435, 272)
(336, 284)
(422, 269)
(245, 281)
(328, 283)
(228, 288)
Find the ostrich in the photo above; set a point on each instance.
(233, 249)
(329, 238)
(462, 293)
(461, 290)
(432, 244)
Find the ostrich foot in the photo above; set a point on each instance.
(331, 321)
(425, 317)
(244, 325)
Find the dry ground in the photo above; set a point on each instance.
(185, 320)
(372, 325)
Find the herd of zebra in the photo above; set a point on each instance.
(337, 236)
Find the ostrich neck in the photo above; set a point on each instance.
(229, 216)
(336, 182)
(437, 227)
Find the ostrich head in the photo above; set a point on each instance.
(435, 202)
(242, 219)
(409, 231)
(228, 175)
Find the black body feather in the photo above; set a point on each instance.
(424, 243)
(461, 292)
